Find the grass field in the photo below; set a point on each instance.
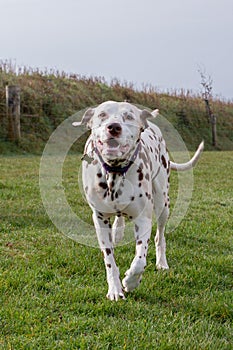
(52, 289)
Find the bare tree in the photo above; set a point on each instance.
(207, 86)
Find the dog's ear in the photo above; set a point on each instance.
(145, 114)
(86, 119)
(155, 112)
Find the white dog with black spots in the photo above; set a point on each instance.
(125, 173)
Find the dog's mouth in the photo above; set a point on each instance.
(112, 143)
(112, 147)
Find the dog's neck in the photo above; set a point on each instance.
(122, 168)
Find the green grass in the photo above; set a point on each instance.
(52, 289)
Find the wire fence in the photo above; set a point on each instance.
(41, 124)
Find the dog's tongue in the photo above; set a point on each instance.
(112, 143)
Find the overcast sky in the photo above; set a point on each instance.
(157, 42)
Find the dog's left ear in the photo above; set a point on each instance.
(145, 114)
(86, 119)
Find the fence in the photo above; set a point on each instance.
(13, 112)
(29, 123)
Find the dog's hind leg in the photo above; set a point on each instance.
(160, 242)
(118, 228)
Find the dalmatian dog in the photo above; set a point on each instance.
(125, 173)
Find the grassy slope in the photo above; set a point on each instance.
(47, 98)
(52, 290)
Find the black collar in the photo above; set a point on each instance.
(118, 169)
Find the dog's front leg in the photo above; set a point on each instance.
(104, 235)
(133, 276)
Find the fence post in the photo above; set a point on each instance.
(13, 112)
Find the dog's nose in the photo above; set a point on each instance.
(114, 129)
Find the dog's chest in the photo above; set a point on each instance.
(116, 193)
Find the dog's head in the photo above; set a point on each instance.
(115, 128)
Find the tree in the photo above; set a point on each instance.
(207, 86)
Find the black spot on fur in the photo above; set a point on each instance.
(164, 161)
(140, 176)
(108, 251)
(103, 185)
(148, 195)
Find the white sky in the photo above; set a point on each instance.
(157, 42)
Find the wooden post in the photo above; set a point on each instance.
(13, 112)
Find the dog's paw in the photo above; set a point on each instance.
(161, 260)
(114, 294)
(133, 276)
(162, 266)
(131, 282)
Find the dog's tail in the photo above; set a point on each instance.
(191, 163)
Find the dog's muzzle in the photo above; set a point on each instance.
(114, 129)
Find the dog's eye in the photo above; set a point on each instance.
(129, 117)
(102, 115)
